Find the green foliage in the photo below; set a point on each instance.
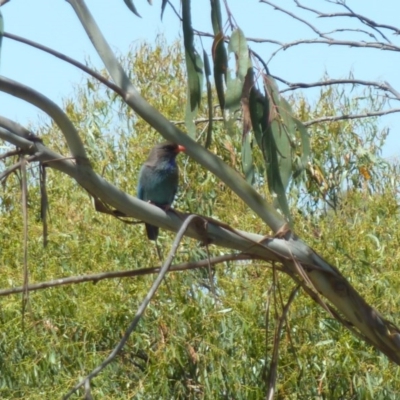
(345, 154)
(190, 345)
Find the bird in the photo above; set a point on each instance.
(158, 179)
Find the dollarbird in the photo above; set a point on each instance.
(158, 179)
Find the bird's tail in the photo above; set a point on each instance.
(152, 232)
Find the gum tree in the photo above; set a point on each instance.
(275, 153)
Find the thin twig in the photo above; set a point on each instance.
(302, 85)
(294, 16)
(339, 30)
(274, 362)
(351, 116)
(334, 42)
(24, 203)
(44, 202)
(10, 153)
(199, 121)
(365, 20)
(125, 274)
(5, 174)
(231, 18)
(70, 60)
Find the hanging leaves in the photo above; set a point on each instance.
(191, 114)
(278, 142)
(219, 54)
(194, 69)
(247, 153)
(235, 79)
(220, 59)
(235, 82)
(274, 130)
(207, 71)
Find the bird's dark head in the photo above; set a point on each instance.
(164, 152)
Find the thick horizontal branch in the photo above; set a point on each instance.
(130, 206)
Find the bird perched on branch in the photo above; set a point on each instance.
(158, 179)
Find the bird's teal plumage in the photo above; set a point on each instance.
(158, 179)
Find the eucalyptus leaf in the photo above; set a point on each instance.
(163, 5)
(207, 71)
(193, 61)
(305, 142)
(216, 16)
(220, 58)
(131, 6)
(191, 113)
(247, 159)
(238, 45)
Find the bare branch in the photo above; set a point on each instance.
(306, 8)
(351, 116)
(10, 153)
(125, 274)
(334, 42)
(294, 16)
(273, 374)
(24, 204)
(5, 174)
(297, 85)
(371, 35)
(67, 59)
(44, 202)
(365, 20)
(200, 121)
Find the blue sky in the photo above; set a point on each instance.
(54, 24)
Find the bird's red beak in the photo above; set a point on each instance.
(180, 148)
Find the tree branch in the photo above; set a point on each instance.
(351, 116)
(294, 16)
(67, 59)
(124, 274)
(365, 20)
